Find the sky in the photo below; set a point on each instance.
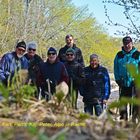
(96, 7)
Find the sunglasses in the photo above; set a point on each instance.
(69, 54)
(30, 49)
(51, 53)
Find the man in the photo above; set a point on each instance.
(128, 55)
(76, 75)
(33, 60)
(51, 73)
(12, 62)
(96, 90)
(70, 44)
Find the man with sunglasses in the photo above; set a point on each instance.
(70, 44)
(76, 74)
(13, 62)
(129, 55)
(33, 60)
(51, 73)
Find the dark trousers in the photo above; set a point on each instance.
(127, 92)
(88, 108)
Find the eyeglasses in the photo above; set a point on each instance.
(69, 54)
(30, 49)
(51, 53)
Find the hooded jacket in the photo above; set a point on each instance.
(122, 59)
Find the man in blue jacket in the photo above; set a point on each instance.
(128, 55)
(96, 90)
(13, 62)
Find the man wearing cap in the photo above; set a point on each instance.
(70, 44)
(51, 73)
(33, 60)
(96, 90)
(128, 55)
(76, 74)
(13, 62)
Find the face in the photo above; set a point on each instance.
(52, 57)
(20, 51)
(70, 56)
(94, 62)
(128, 47)
(31, 52)
(69, 41)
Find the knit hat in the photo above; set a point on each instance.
(93, 56)
(32, 45)
(70, 50)
(21, 44)
(126, 40)
(52, 50)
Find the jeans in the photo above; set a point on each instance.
(88, 108)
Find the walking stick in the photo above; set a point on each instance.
(49, 90)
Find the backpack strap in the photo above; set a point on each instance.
(120, 54)
(136, 55)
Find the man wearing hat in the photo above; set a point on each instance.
(96, 90)
(128, 55)
(33, 60)
(51, 73)
(70, 44)
(13, 62)
(76, 74)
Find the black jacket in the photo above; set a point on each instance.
(79, 57)
(76, 73)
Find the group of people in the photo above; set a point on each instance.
(92, 81)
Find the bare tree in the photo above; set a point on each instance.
(131, 11)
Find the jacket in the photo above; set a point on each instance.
(75, 72)
(79, 56)
(122, 59)
(97, 85)
(9, 64)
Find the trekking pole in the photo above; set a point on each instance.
(119, 98)
(131, 107)
(39, 95)
(49, 90)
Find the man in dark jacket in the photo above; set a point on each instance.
(13, 62)
(76, 74)
(33, 60)
(70, 44)
(51, 73)
(97, 87)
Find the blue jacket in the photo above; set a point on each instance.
(9, 64)
(97, 84)
(56, 73)
(122, 59)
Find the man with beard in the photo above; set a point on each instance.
(13, 62)
(70, 44)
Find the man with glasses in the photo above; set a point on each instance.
(129, 55)
(76, 75)
(33, 60)
(70, 44)
(13, 62)
(51, 73)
